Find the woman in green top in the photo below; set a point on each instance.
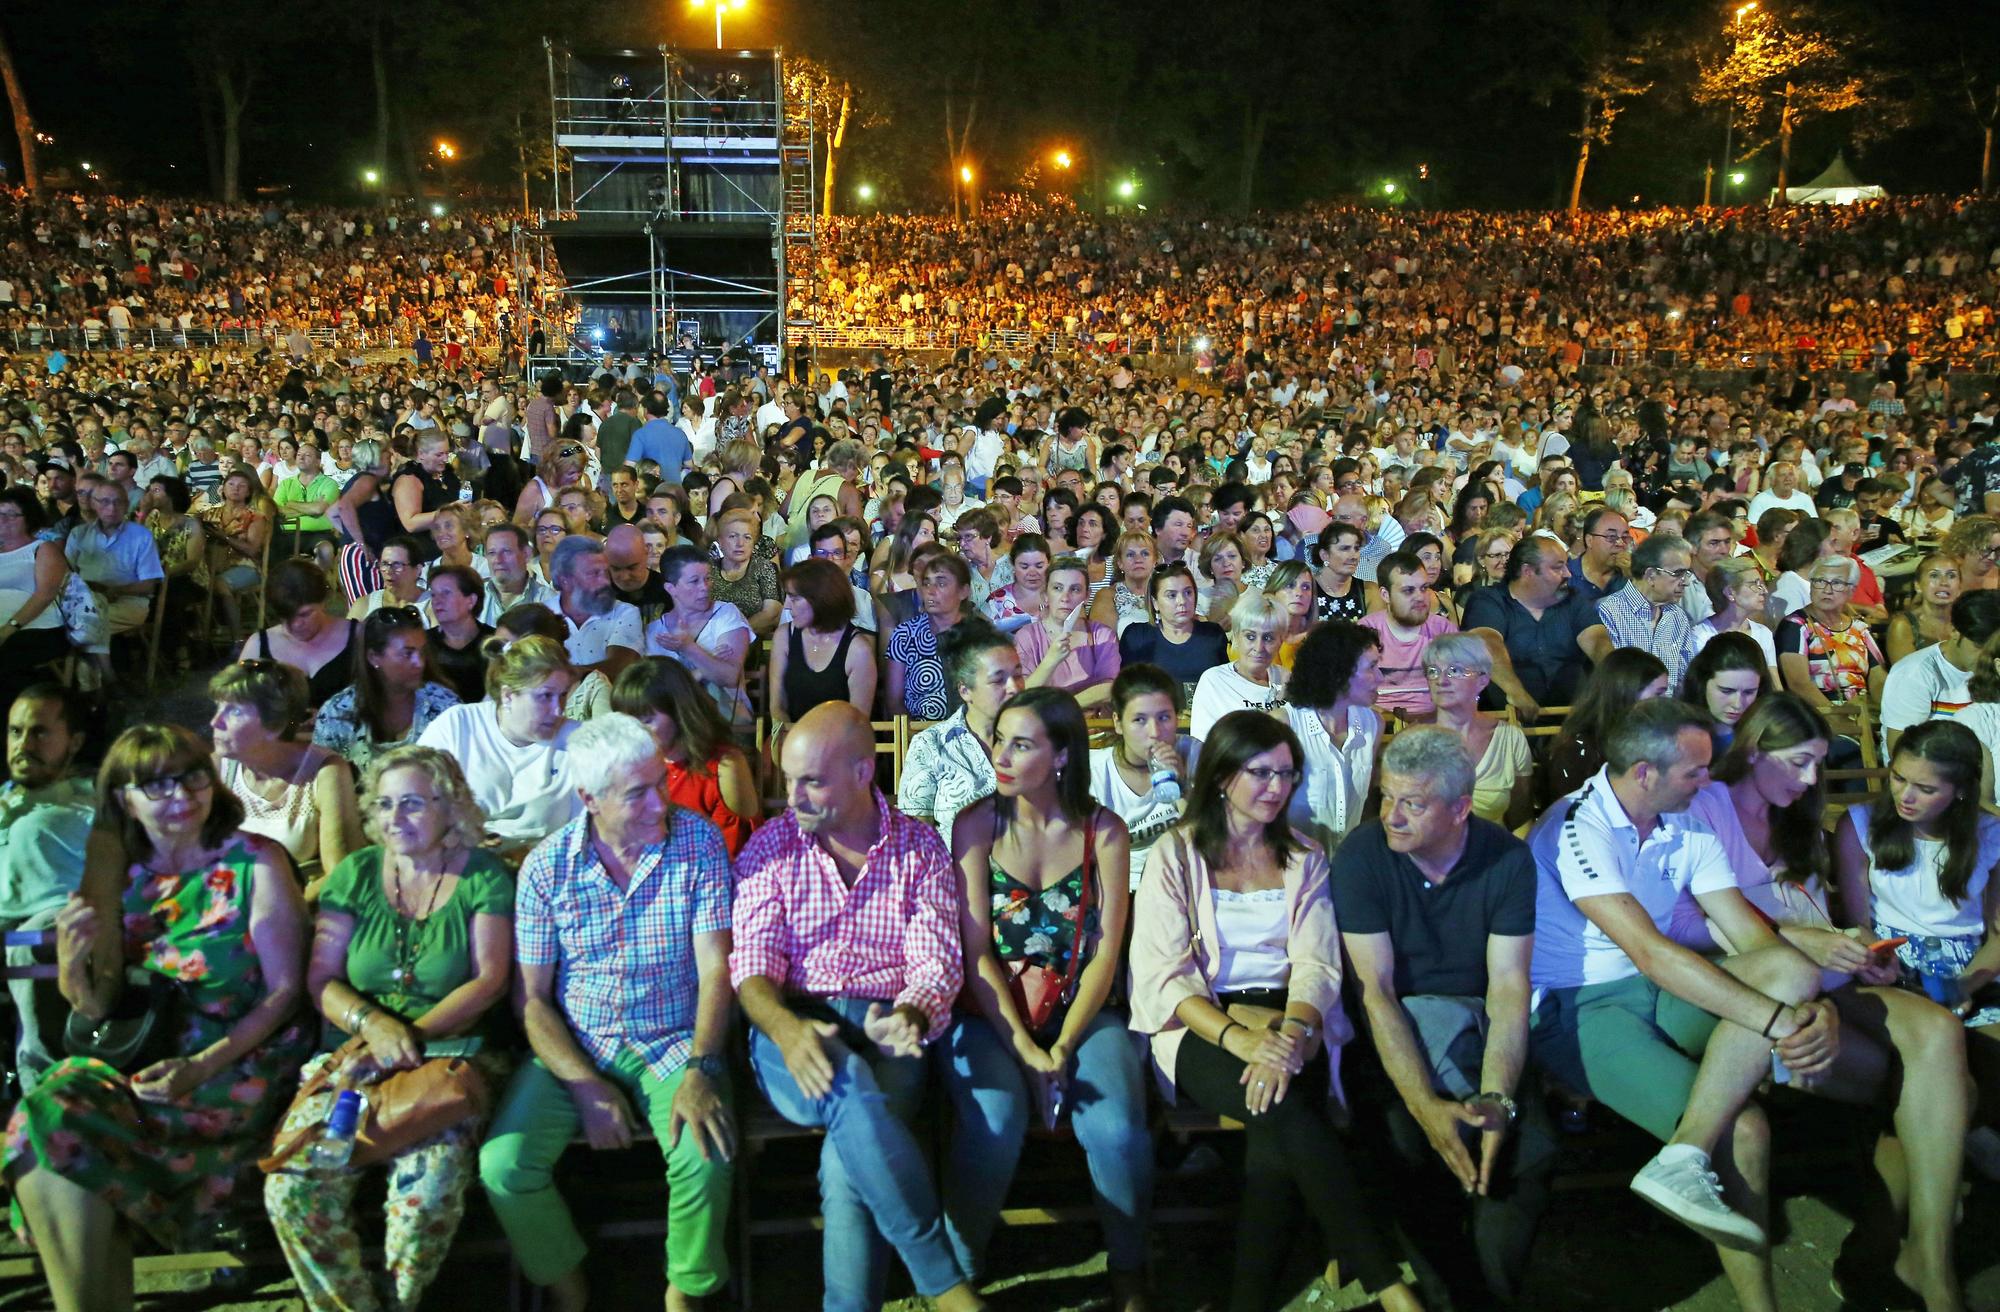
(414, 946)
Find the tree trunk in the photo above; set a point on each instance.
(1255, 122)
(1784, 148)
(230, 102)
(1582, 156)
(834, 142)
(24, 123)
(1986, 163)
(378, 59)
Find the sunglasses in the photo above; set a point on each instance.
(565, 452)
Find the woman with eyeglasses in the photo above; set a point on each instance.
(549, 527)
(1925, 620)
(514, 746)
(322, 648)
(395, 695)
(563, 466)
(1490, 554)
(413, 948)
(402, 579)
(1975, 540)
(1736, 588)
(1826, 657)
(1458, 668)
(175, 889)
(1236, 984)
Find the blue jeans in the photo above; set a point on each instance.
(1107, 1103)
(874, 1189)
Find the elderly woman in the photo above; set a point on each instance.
(1331, 708)
(413, 947)
(819, 655)
(514, 746)
(1236, 983)
(299, 795)
(709, 636)
(1043, 889)
(1736, 588)
(1458, 667)
(706, 772)
(1257, 626)
(213, 917)
(589, 697)
(1125, 602)
(395, 695)
(401, 562)
(742, 578)
(1926, 619)
(1064, 649)
(1221, 563)
(1824, 656)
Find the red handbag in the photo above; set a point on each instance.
(1039, 990)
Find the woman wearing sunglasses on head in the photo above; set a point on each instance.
(396, 691)
(565, 465)
(94, 1154)
(1236, 980)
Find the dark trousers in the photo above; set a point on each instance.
(1291, 1153)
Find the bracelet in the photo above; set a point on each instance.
(1232, 1025)
(358, 1014)
(1766, 1031)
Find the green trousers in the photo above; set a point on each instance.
(537, 1121)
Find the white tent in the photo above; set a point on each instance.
(1836, 186)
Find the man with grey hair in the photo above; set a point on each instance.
(1437, 911)
(1662, 1035)
(1647, 613)
(604, 632)
(622, 936)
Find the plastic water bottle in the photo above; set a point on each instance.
(336, 1146)
(1166, 784)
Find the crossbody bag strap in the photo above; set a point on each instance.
(1082, 908)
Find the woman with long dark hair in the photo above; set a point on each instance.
(706, 772)
(1620, 681)
(396, 691)
(1043, 916)
(1765, 807)
(1725, 678)
(1236, 983)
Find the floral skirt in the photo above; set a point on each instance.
(1932, 964)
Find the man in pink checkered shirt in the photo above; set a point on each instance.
(846, 960)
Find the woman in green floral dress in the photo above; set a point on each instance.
(91, 1152)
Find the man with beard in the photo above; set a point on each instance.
(632, 582)
(509, 584)
(846, 958)
(1406, 627)
(1539, 620)
(604, 633)
(46, 807)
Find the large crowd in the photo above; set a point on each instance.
(1389, 737)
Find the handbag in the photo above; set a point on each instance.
(141, 1028)
(1038, 990)
(402, 1109)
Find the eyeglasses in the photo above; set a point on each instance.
(1263, 775)
(1615, 539)
(1451, 672)
(550, 530)
(1835, 585)
(194, 779)
(389, 566)
(1683, 574)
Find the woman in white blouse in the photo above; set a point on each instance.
(1332, 710)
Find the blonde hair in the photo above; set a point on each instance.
(468, 822)
(740, 515)
(526, 663)
(1255, 609)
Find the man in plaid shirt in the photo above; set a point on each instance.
(847, 959)
(621, 929)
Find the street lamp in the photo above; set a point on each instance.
(1126, 188)
(1061, 159)
(1729, 106)
(719, 6)
(1738, 176)
(446, 150)
(865, 192)
(370, 176)
(1388, 189)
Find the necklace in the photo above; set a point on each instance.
(409, 933)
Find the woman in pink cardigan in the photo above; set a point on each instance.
(1236, 978)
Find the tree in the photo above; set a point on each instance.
(835, 106)
(1612, 79)
(1773, 69)
(24, 123)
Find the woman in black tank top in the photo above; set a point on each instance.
(819, 614)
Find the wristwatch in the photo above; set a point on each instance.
(1500, 1100)
(711, 1064)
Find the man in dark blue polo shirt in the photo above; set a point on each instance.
(1607, 555)
(1540, 620)
(1436, 908)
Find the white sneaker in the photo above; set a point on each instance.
(1679, 1183)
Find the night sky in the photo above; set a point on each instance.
(1484, 91)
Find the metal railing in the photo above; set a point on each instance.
(381, 337)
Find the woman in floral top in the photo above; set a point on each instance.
(93, 1152)
(1045, 879)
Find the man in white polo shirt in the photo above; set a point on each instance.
(604, 632)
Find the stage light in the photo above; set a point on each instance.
(370, 176)
(1388, 189)
(1201, 343)
(1126, 188)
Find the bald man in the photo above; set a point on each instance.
(631, 580)
(847, 960)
